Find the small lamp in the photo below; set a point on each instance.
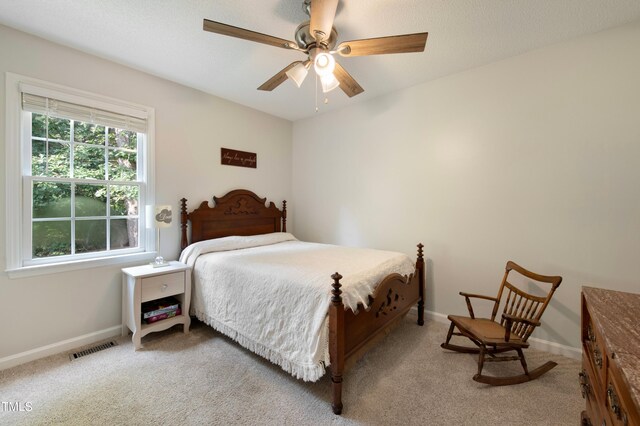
(161, 219)
(324, 64)
(298, 72)
(329, 82)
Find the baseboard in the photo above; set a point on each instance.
(55, 348)
(539, 344)
(65, 345)
(555, 348)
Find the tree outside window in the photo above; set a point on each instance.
(85, 187)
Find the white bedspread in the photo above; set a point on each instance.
(271, 292)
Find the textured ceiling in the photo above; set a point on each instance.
(165, 38)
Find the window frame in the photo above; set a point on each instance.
(73, 181)
(19, 180)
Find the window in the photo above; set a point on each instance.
(83, 172)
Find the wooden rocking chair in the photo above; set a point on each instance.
(520, 316)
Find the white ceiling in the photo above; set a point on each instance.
(165, 38)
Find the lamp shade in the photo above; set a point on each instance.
(162, 216)
(298, 73)
(329, 82)
(324, 64)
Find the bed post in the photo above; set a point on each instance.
(183, 224)
(284, 216)
(336, 343)
(420, 268)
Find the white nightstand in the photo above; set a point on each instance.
(143, 283)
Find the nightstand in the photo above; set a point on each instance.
(144, 283)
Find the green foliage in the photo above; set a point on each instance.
(91, 235)
(122, 165)
(122, 138)
(96, 151)
(50, 159)
(87, 205)
(88, 162)
(124, 200)
(88, 133)
(51, 199)
(51, 238)
(38, 125)
(50, 127)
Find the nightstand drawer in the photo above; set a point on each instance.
(162, 286)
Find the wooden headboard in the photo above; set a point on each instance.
(239, 212)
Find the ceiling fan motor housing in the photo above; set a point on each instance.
(306, 41)
(311, 38)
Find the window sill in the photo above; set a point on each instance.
(30, 271)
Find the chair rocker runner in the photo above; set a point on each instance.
(520, 316)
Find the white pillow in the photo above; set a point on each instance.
(234, 242)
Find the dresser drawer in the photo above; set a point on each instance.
(620, 405)
(611, 357)
(591, 393)
(162, 286)
(594, 349)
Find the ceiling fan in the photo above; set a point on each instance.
(317, 38)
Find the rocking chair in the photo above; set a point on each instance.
(520, 316)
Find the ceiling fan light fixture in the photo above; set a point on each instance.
(316, 38)
(298, 73)
(329, 82)
(324, 64)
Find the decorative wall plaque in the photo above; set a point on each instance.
(231, 157)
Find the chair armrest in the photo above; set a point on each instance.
(479, 296)
(510, 319)
(468, 296)
(513, 318)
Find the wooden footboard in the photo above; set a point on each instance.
(351, 334)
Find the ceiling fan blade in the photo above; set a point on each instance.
(231, 31)
(347, 83)
(382, 45)
(323, 13)
(278, 79)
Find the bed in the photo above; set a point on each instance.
(239, 240)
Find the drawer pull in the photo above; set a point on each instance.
(597, 356)
(585, 388)
(164, 287)
(590, 336)
(615, 404)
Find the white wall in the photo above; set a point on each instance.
(534, 159)
(190, 129)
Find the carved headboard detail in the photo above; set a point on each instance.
(239, 212)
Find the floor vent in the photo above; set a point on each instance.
(91, 350)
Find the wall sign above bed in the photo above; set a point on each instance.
(231, 157)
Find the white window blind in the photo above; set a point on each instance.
(65, 141)
(63, 109)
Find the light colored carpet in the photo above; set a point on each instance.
(205, 378)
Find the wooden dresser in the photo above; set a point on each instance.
(610, 376)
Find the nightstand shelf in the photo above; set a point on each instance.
(144, 283)
(163, 324)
